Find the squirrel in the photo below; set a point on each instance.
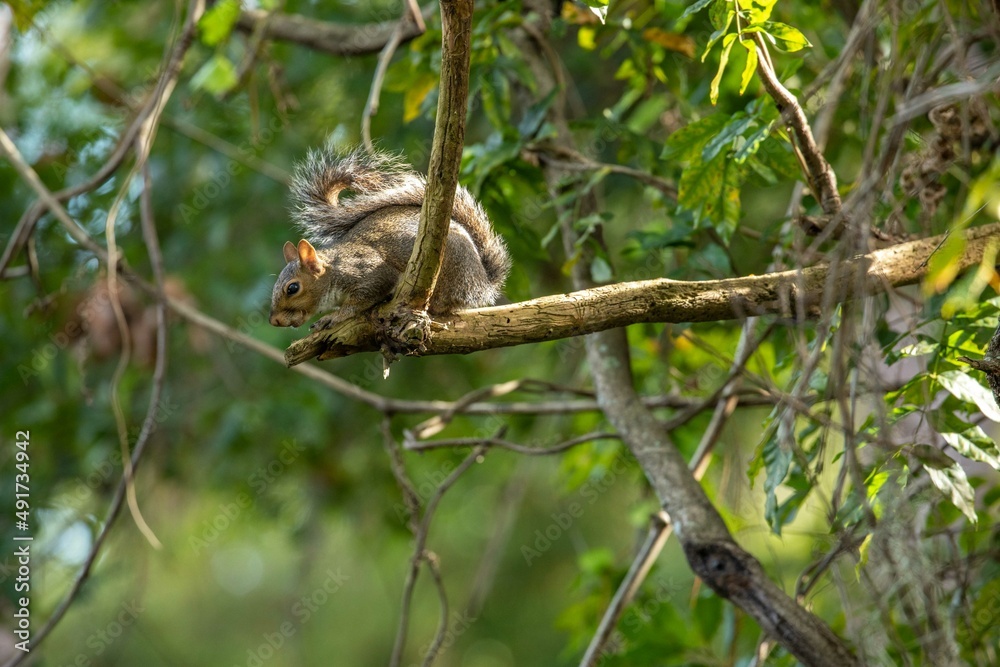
(358, 246)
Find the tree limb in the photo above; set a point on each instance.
(335, 38)
(609, 306)
(820, 174)
(417, 283)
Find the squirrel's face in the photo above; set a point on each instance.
(296, 294)
(285, 311)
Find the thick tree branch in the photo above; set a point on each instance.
(601, 308)
(335, 38)
(417, 283)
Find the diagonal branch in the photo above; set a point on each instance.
(417, 283)
(820, 174)
(785, 293)
(411, 15)
(420, 553)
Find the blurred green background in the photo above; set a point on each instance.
(283, 530)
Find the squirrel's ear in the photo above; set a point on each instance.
(291, 254)
(308, 259)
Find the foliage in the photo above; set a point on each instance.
(861, 467)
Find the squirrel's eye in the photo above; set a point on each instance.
(292, 289)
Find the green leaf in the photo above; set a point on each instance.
(763, 171)
(688, 142)
(976, 445)
(697, 7)
(779, 157)
(964, 388)
(785, 37)
(777, 461)
(931, 457)
(218, 22)
(753, 143)
(710, 190)
(217, 76)
(737, 124)
(727, 45)
(721, 28)
(721, 14)
(600, 270)
(751, 65)
(919, 349)
(760, 10)
(786, 511)
(535, 115)
(862, 556)
(876, 480)
(953, 483)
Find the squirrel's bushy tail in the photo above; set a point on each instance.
(378, 180)
(492, 250)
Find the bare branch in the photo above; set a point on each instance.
(820, 174)
(659, 533)
(419, 550)
(416, 285)
(335, 38)
(414, 446)
(435, 569)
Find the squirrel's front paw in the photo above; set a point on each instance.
(325, 322)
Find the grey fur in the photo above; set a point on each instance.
(379, 180)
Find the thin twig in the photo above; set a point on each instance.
(195, 10)
(578, 162)
(419, 554)
(413, 446)
(659, 532)
(435, 568)
(411, 499)
(437, 423)
(411, 16)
